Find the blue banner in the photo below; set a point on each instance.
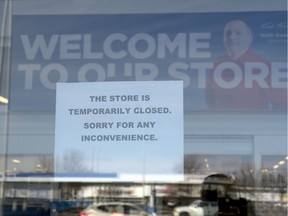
(228, 61)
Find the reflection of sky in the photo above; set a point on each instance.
(126, 158)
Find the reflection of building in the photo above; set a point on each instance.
(228, 143)
(234, 142)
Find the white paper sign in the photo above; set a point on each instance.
(119, 127)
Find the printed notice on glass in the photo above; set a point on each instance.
(127, 128)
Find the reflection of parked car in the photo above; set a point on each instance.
(172, 203)
(197, 208)
(224, 190)
(114, 209)
(61, 206)
(46, 210)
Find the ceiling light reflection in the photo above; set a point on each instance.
(16, 161)
(3, 100)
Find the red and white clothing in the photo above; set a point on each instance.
(242, 97)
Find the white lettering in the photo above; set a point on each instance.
(178, 70)
(165, 42)
(196, 45)
(39, 45)
(29, 70)
(96, 68)
(202, 69)
(146, 51)
(145, 71)
(70, 46)
(87, 46)
(279, 75)
(107, 46)
(47, 70)
(234, 68)
(262, 72)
